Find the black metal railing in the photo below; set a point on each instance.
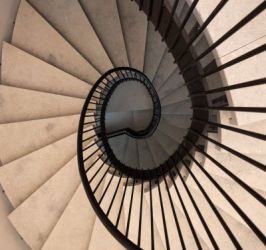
(131, 202)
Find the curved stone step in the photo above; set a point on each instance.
(241, 232)
(240, 168)
(180, 108)
(243, 199)
(158, 153)
(173, 82)
(145, 241)
(77, 220)
(154, 51)
(107, 29)
(45, 42)
(118, 145)
(131, 155)
(35, 218)
(173, 236)
(99, 230)
(32, 135)
(25, 175)
(167, 143)
(134, 27)
(145, 158)
(76, 29)
(23, 105)
(20, 69)
(165, 69)
(177, 121)
(174, 96)
(173, 132)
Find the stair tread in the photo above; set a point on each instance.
(107, 28)
(158, 153)
(179, 108)
(242, 169)
(173, 82)
(35, 218)
(119, 144)
(99, 230)
(23, 105)
(146, 219)
(76, 221)
(178, 121)
(131, 155)
(165, 69)
(146, 160)
(134, 26)
(76, 29)
(243, 199)
(173, 96)
(242, 232)
(154, 51)
(20, 69)
(46, 43)
(32, 135)
(32, 170)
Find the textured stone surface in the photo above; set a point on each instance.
(71, 21)
(32, 170)
(20, 69)
(109, 32)
(35, 218)
(45, 42)
(154, 51)
(18, 104)
(134, 26)
(32, 135)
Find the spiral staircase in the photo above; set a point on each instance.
(135, 124)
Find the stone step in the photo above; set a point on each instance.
(158, 153)
(43, 41)
(77, 220)
(174, 96)
(25, 175)
(154, 51)
(240, 168)
(134, 27)
(145, 158)
(23, 105)
(180, 108)
(173, 132)
(76, 29)
(145, 241)
(32, 135)
(20, 69)
(242, 198)
(240, 231)
(106, 29)
(131, 155)
(35, 218)
(118, 145)
(178, 121)
(99, 230)
(173, 237)
(165, 69)
(74, 228)
(173, 82)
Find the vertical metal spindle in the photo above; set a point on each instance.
(140, 212)
(130, 208)
(163, 216)
(151, 214)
